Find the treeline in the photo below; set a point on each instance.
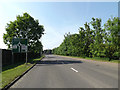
(93, 40)
(47, 51)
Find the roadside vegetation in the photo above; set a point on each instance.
(10, 72)
(96, 59)
(25, 26)
(37, 59)
(93, 40)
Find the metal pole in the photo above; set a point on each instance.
(26, 54)
(26, 57)
(27, 49)
(12, 58)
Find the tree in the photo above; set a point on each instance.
(48, 51)
(88, 40)
(36, 47)
(98, 36)
(95, 42)
(24, 26)
(112, 26)
(82, 41)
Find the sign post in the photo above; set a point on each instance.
(19, 45)
(12, 58)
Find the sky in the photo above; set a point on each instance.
(58, 18)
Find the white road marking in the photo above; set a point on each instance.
(74, 69)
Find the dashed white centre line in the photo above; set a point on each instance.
(74, 69)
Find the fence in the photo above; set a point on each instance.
(6, 56)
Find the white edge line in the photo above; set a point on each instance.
(74, 69)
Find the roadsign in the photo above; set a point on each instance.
(19, 45)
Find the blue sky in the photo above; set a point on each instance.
(58, 18)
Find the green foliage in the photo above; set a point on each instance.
(10, 74)
(98, 37)
(113, 36)
(93, 42)
(47, 51)
(24, 26)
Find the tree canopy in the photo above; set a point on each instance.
(93, 40)
(24, 26)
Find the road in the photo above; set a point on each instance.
(63, 72)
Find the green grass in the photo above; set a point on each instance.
(38, 59)
(10, 72)
(11, 66)
(97, 59)
(115, 61)
(103, 59)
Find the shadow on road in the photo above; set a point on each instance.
(59, 62)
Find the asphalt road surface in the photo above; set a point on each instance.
(63, 72)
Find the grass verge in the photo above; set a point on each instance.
(103, 59)
(96, 59)
(9, 73)
(37, 59)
